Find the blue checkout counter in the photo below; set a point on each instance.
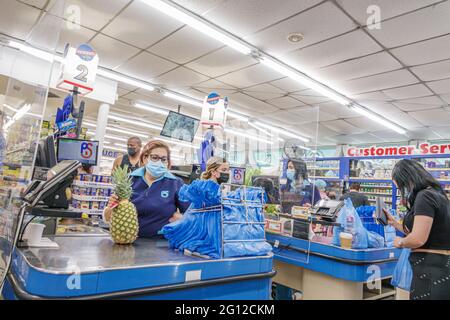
(92, 267)
(323, 271)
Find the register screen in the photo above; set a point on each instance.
(84, 151)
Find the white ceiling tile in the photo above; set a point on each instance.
(17, 19)
(146, 66)
(369, 137)
(382, 81)
(112, 53)
(185, 45)
(264, 92)
(220, 62)
(214, 84)
(424, 52)
(73, 36)
(433, 71)
(36, 3)
(310, 97)
(417, 90)
(376, 96)
(95, 14)
(350, 45)
(416, 26)
(122, 91)
(342, 127)
(127, 86)
(429, 133)
(388, 8)
(446, 97)
(250, 104)
(442, 130)
(291, 118)
(430, 100)
(317, 24)
(433, 117)
(414, 106)
(392, 113)
(366, 66)
(337, 110)
(312, 114)
(389, 135)
(250, 76)
(366, 123)
(440, 86)
(246, 17)
(285, 102)
(141, 25)
(288, 85)
(199, 6)
(181, 76)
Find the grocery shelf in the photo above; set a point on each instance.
(378, 194)
(322, 168)
(437, 169)
(90, 184)
(90, 198)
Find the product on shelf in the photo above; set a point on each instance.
(91, 193)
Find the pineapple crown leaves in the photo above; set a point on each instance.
(122, 183)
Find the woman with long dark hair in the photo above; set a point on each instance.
(427, 230)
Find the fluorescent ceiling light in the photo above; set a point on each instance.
(127, 80)
(135, 122)
(178, 143)
(41, 54)
(378, 119)
(10, 108)
(198, 24)
(237, 116)
(132, 133)
(151, 108)
(191, 101)
(121, 145)
(281, 131)
(116, 149)
(19, 114)
(245, 135)
(295, 75)
(260, 129)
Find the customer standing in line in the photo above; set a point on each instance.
(358, 199)
(132, 158)
(427, 229)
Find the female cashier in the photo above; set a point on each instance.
(155, 191)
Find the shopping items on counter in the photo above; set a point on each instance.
(215, 226)
(402, 276)
(350, 223)
(374, 240)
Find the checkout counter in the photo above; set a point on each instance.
(326, 272)
(88, 265)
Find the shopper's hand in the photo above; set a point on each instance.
(107, 214)
(176, 216)
(390, 219)
(397, 242)
(113, 201)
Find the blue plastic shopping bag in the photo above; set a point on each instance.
(403, 274)
(351, 223)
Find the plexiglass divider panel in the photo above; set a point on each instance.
(21, 117)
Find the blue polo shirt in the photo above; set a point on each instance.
(155, 204)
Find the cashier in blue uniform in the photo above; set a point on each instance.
(155, 191)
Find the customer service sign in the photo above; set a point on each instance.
(421, 149)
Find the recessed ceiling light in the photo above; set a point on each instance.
(295, 37)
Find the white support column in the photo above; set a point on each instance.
(102, 121)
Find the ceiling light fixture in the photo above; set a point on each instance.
(281, 131)
(135, 122)
(19, 114)
(260, 129)
(378, 119)
(237, 116)
(185, 99)
(246, 135)
(147, 107)
(306, 81)
(197, 23)
(127, 80)
(116, 149)
(178, 143)
(295, 37)
(41, 54)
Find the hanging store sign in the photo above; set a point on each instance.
(422, 149)
(79, 69)
(214, 110)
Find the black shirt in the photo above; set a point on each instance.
(126, 162)
(432, 203)
(358, 199)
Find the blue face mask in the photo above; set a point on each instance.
(156, 169)
(290, 174)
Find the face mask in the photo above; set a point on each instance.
(224, 177)
(156, 169)
(290, 174)
(131, 151)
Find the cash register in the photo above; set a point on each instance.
(327, 209)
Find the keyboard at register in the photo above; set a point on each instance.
(327, 209)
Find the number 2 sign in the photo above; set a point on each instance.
(79, 69)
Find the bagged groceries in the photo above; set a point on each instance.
(403, 274)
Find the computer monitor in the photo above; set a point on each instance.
(179, 126)
(271, 186)
(237, 175)
(46, 155)
(84, 151)
(187, 173)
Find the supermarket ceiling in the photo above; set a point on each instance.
(401, 71)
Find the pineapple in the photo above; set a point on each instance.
(124, 221)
